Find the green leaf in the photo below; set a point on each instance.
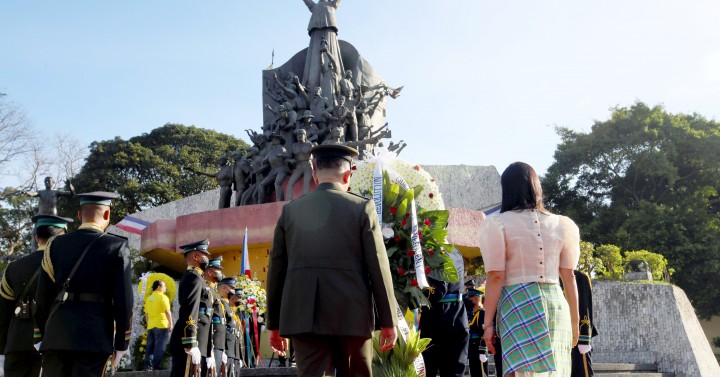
(391, 251)
(448, 272)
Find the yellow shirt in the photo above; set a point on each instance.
(155, 306)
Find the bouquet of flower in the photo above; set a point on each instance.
(406, 206)
(253, 296)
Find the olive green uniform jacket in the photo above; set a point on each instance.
(329, 272)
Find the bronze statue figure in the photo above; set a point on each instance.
(303, 167)
(49, 197)
(224, 178)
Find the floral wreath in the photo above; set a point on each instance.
(171, 289)
(253, 296)
(397, 224)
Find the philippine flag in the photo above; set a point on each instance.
(245, 266)
(132, 224)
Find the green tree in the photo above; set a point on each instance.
(589, 263)
(647, 179)
(612, 261)
(149, 170)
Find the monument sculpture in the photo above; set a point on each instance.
(339, 98)
(303, 168)
(224, 178)
(49, 197)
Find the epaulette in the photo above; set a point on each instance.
(6, 290)
(47, 262)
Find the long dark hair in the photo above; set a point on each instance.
(520, 188)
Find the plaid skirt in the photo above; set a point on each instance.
(534, 328)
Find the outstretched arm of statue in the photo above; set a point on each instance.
(192, 169)
(310, 4)
(29, 193)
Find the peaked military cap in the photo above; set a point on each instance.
(216, 263)
(228, 281)
(473, 292)
(334, 150)
(201, 246)
(470, 282)
(98, 197)
(51, 220)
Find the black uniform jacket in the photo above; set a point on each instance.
(100, 297)
(218, 320)
(194, 322)
(16, 333)
(230, 330)
(587, 326)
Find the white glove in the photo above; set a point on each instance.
(210, 362)
(194, 355)
(241, 363)
(483, 358)
(584, 348)
(224, 358)
(37, 346)
(118, 355)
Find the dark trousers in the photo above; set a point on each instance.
(178, 364)
(217, 355)
(318, 355)
(477, 368)
(230, 367)
(22, 364)
(155, 349)
(74, 364)
(447, 354)
(581, 364)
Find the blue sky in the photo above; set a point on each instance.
(485, 81)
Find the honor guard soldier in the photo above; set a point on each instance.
(477, 352)
(239, 330)
(581, 362)
(445, 323)
(226, 289)
(329, 276)
(190, 338)
(84, 295)
(213, 274)
(19, 283)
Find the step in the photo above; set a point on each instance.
(277, 372)
(623, 367)
(634, 374)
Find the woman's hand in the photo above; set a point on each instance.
(489, 338)
(575, 334)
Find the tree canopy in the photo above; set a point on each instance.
(150, 169)
(646, 179)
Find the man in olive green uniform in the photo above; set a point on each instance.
(329, 273)
(226, 289)
(190, 339)
(83, 317)
(213, 275)
(17, 291)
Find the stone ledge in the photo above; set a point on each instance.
(242, 372)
